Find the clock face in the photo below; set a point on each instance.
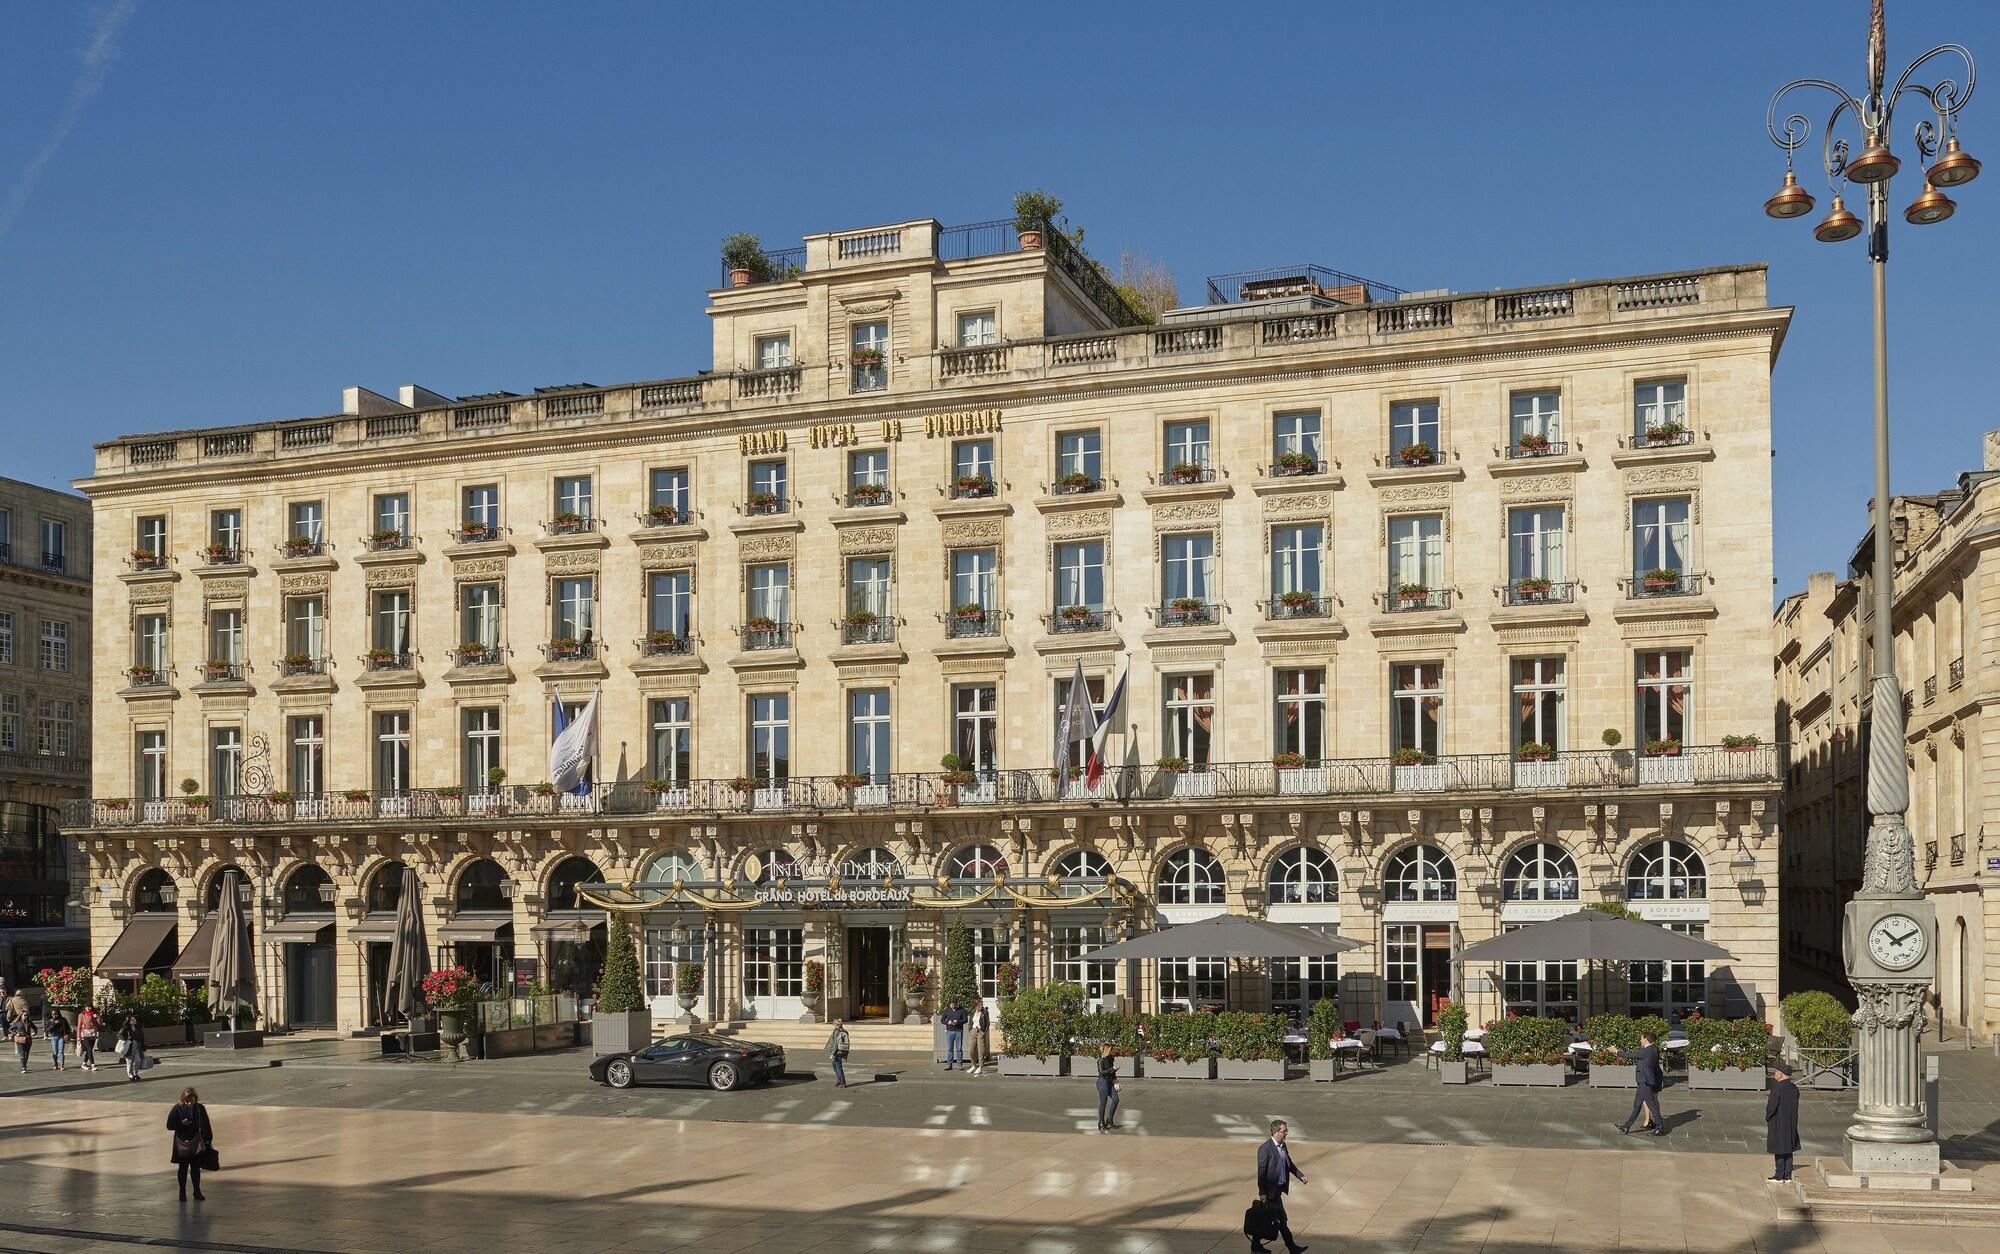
(1896, 941)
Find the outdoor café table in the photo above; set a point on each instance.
(1475, 1034)
(1388, 1034)
(1295, 1046)
(1469, 1048)
(1344, 1045)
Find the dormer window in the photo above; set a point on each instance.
(774, 352)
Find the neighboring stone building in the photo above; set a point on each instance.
(1383, 570)
(44, 695)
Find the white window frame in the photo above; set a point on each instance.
(55, 646)
(774, 352)
(393, 749)
(1658, 403)
(1541, 693)
(575, 605)
(670, 742)
(1536, 543)
(480, 745)
(1416, 550)
(481, 504)
(1187, 566)
(770, 738)
(1298, 559)
(1535, 413)
(975, 714)
(1080, 452)
(1673, 668)
(576, 494)
(870, 744)
(1191, 876)
(1415, 422)
(480, 614)
(1417, 689)
(768, 591)
(1300, 711)
(1185, 443)
(308, 756)
(1295, 431)
(1079, 574)
(150, 750)
(1662, 534)
(1185, 700)
(978, 328)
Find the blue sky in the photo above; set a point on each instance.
(227, 212)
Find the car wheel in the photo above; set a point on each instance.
(619, 1074)
(723, 1077)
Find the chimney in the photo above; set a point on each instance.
(362, 403)
(414, 397)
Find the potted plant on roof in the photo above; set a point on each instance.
(973, 485)
(1296, 463)
(620, 1023)
(1417, 454)
(1451, 1021)
(1661, 579)
(743, 254)
(1033, 213)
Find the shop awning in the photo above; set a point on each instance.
(193, 962)
(556, 927)
(298, 931)
(475, 930)
(131, 953)
(380, 928)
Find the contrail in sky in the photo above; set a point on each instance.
(97, 58)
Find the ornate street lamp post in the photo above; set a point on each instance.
(1890, 927)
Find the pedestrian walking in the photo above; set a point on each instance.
(1107, 1089)
(132, 1046)
(57, 1029)
(954, 1019)
(1647, 1079)
(1781, 1122)
(977, 1030)
(837, 1045)
(87, 1027)
(1275, 1172)
(20, 1028)
(193, 1139)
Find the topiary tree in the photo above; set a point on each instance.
(961, 977)
(620, 990)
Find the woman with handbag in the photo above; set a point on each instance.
(194, 1139)
(21, 1031)
(132, 1047)
(976, 1039)
(1107, 1089)
(87, 1027)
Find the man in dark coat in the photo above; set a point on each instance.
(1647, 1079)
(1275, 1170)
(1781, 1122)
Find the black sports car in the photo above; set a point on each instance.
(720, 1062)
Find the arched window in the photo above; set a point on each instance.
(1303, 876)
(670, 866)
(147, 897)
(971, 870)
(1190, 877)
(479, 889)
(385, 889)
(1666, 870)
(1420, 873)
(563, 881)
(1539, 872)
(1079, 864)
(215, 886)
(874, 863)
(308, 890)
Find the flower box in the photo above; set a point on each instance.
(1321, 1070)
(1609, 1075)
(1453, 1071)
(1169, 1069)
(1530, 1074)
(1416, 454)
(1077, 481)
(1532, 444)
(1296, 464)
(1532, 752)
(973, 485)
(1665, 433)
(1187, 472)
(1728, 1079)
(1029, 1065)
(1235, 1069)
(613, 1032)
(865, 358)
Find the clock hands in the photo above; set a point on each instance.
(1898, 940)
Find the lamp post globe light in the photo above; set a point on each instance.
(1888, 934)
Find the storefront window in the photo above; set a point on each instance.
(1420, 873)
(1298, 984)
(1067, 946)
(1303, 876)
(1671, 989)
(773, 962)
(1539, 872)
(1191, 983)
(1191, 877)
(990, 949)
(480, 889)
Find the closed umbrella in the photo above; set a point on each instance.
(409, 954)
(1228, 936)
(1592, 934)
(232, 976)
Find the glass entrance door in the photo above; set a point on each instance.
(309, 985)
(868, 972)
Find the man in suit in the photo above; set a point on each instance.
(1275, 1170)
(1781, 1123)
(1647, 1078)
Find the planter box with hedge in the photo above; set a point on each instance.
(1528, 1051)
(1035, 1031)
(1320, 1027)
(1452, 1022)
(1180, 1046)
(620, 1023)
(1089, 1031)
(1728, 1054)
(1822, 1035)
(1250, 1046)
(1614, 1041)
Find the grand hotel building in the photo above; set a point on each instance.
(1388, 570)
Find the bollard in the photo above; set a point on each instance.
(1931, 1093)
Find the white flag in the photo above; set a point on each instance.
(574, 747)
(1077, 722)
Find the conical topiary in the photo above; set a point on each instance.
(961, 977)
(620, 991)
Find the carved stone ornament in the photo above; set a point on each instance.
(1182, 513)
(147, 593)
(1890, 1006)
(1416, 492)
(1083, 522)
(304, 585)
(1189, 653)
(479, 568)
(972, 532)
(1291, 648)
(1889, 867)
(399, 576)
(1544, 486)
(867, 539)
(655, 556)
(784, 544)
(218, 589)
(1298, 505)
(1653, 476)
(581, 559)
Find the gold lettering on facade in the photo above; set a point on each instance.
(752, 443)
(969, 422)
(892, 429)
(832, 435)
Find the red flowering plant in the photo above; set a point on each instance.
(67, 986)
(451, 988)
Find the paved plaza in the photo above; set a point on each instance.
(338, 1151)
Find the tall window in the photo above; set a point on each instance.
(972, 577)
(150, 639)
(6, 535)
(1295, 559)
(1295, 436)
(1067, 946)
(1660, 403)
(770, 592)
(1077, 865)
(392, 514)
(1080, 453)
(1535, 543)
(225, 530)
(767, 478)
(978, 330)
(1187, 567)
(1420, 873)
(1671, 989)
(308, 755)
(392, 621)
(1093, 688)
(225, 761)
(771, 738)
(972, 457)
(976, 726)
(574, 496)
(151, 537)
(55, 544)
(1416, 705)
(669, 600)
(1535, 416)
(773, 962)
(6, 638)
(868, 586)
(991, 950)
(576, 608)
(225, 635)
(1546, 989)
(670, 753)
(482, 747)
(667, 492)
(1301, 713)
(305, 627)
(55, 729)
(1189, 717)
(152, 765)
(392, 752)
(1303, 876)
(1190, 877)
(1080, 575)
(306, 522)
(1660, 534)
(479, 614)
(1187, 444)
(868, 469)
(1539, 872)
(870, 356)
(55, 646)
(10, 723)
(1416, 551)
(1538, 702)
(482, 506)
(1666, 694)
(1413, 423)
(868, 734)
(1666, 870)
(774, 352)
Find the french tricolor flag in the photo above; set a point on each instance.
(1107, 718)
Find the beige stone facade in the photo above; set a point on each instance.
(917, 489)
(1947, 602)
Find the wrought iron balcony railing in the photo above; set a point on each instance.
(1664, 583)
(967, 625)
(666, 644)
(570, 650)
(1538, 591)
(1291, 605)
(1078, 618)
(1187, 612)
(1528, 446)
(877, 629)
(765, 635)
(1406, 598)
(478, 655)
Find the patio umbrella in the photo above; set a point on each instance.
(1228, 936)
(1592, 934)
(232, 976)
(409, 954)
